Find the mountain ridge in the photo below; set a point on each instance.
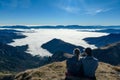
(62, 27)
(103, 40)
(56, 71)
(15, 59)
(58, 47)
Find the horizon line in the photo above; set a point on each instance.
(53, 25)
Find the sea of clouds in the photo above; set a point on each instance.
(36, 37)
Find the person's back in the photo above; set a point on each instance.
(90, 64)
(73, 65)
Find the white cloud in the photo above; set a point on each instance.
(99, 10)
(81, 7)
(41, 36)
(96, 11)
(70, 6)
(70, 9)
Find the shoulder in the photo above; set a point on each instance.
(71, 59)
(81, 59)
(90, 58)
(95, 58)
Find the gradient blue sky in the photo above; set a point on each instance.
(59, 12)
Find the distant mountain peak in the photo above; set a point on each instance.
(56, 45)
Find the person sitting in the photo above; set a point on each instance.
(90, 64)
(73, 65)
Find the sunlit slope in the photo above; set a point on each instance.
(56, 71)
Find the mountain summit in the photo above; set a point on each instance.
(56, 71)
(56, 45)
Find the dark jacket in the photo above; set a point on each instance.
(73, 65)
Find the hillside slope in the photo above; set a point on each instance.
(56, 45)
(8, 36)
(56, 71)
(103, 40)
(109, 54)
(15, 59)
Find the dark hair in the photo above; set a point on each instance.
(88, 51)
(76, 51)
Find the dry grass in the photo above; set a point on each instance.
(56, 71)
(117, 68)
(107, 72)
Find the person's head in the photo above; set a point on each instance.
(76, 51)
(88, 51)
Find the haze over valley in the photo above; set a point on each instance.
(37, 37)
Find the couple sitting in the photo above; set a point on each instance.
(81, 68)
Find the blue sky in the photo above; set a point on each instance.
(59, 12)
